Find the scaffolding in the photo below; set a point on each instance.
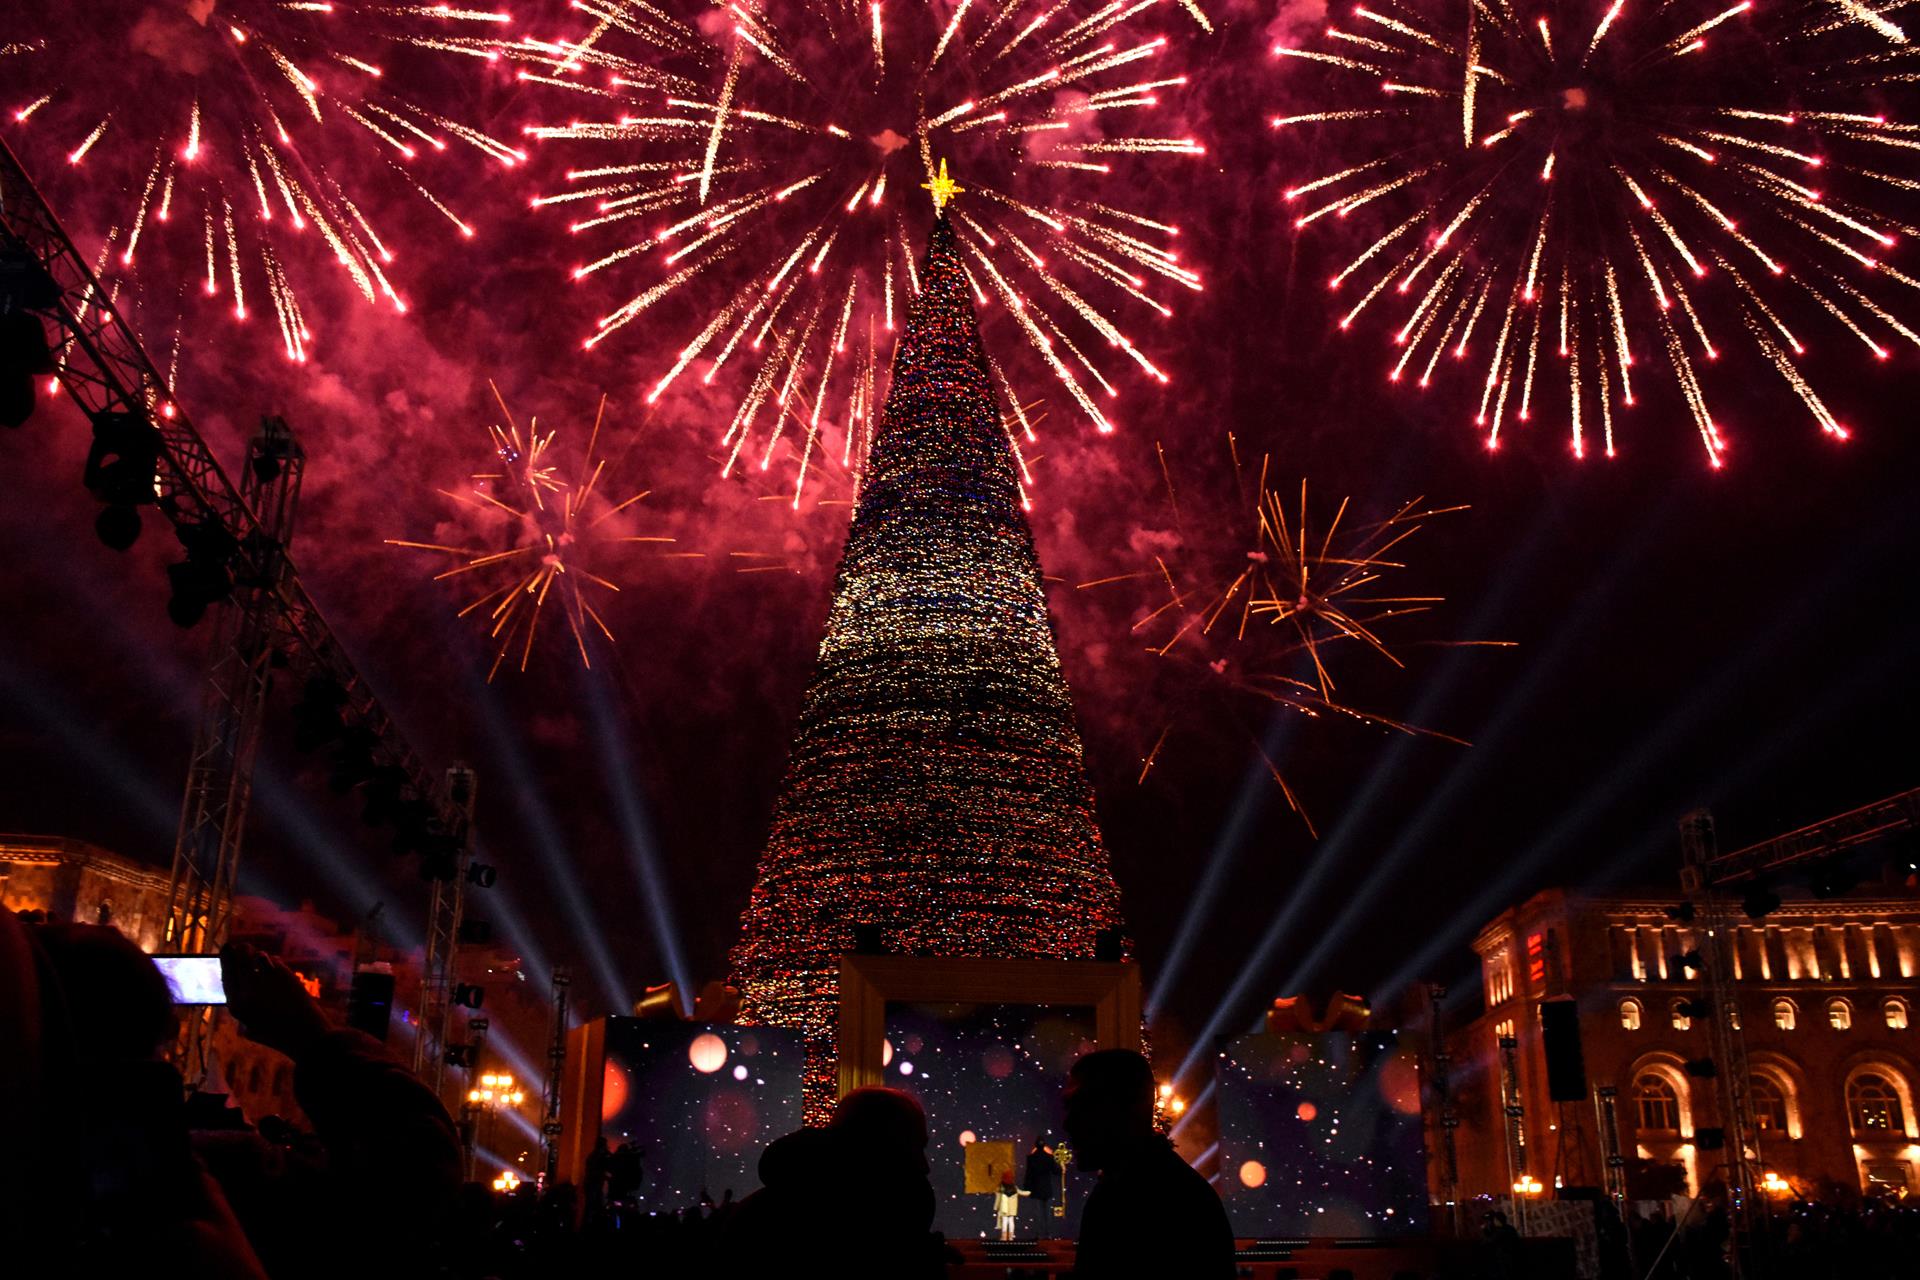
(445, 913)
(1447, 1116)
(213, 816)
(1514, 1111)
(550, 1123)
(1705, 873)
(101, 365)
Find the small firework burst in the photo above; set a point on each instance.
(1596, 192)
(550, 540)
(1294, 602)
(239, 144)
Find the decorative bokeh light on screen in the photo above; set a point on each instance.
(707, 1053)
(613, 1091)
(1314, 1128)
(689, 1100)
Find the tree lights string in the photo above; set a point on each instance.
(936, 789)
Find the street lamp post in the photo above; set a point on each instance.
(495, 1092)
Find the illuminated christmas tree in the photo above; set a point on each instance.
(936, 791)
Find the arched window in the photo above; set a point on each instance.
(1839, 1015)
(1656, 1103)
(1769, 1106)
(1784, 1014)
(1873, 1106)
(1682, 1020)
(1630, 1015)
(1897, 1014)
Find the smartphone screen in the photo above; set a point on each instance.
(193, 979)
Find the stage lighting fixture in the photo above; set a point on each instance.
(24, 281)
(352, 759)
(462, 1055)
(436, 865)
(196, 587)
(482, 875)
(1759, 902)
(468, 995)
(24, 356)
(121, 466)
(205, 577)
(1681, 911)
(24, 360)
(1702, 1068)
(413, 825)
(382, 791)
(117, 527)
(1691, 961)
(316, 717)
(1695, 1008)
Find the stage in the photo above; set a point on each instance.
(1298, 1258)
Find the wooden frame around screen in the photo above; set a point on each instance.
(869, 982)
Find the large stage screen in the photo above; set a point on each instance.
(1320, 1135)
(990, 1077)
(702, 1101)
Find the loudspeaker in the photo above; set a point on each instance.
(370, 1003)
(1109, 946)
(1566, 1065)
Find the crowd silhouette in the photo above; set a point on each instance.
(113, 1169)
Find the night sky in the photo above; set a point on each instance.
(1739, 638)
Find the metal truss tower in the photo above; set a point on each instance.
(550, 1123)
(101, 365)
(206, 852)
(444, 915)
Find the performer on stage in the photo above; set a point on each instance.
(1006, 1203)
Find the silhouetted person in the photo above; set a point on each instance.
(596, 1179)
(1150, 1215)
(142, 1194)
(855, 1192)
(1043, 1171)
(384, 1168)
(626, 1171)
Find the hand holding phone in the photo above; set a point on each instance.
(193, 979)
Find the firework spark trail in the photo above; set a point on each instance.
(759, 168)
(249, 116)
(549, 544)
(1615, 151)
(1296, 600)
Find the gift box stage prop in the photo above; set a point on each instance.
(984, 1044)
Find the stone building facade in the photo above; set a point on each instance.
(72, 880)
(1826, 994)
